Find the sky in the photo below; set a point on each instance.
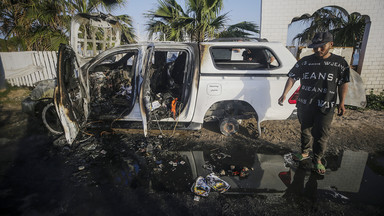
(239, 10)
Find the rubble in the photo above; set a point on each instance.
(89, 147)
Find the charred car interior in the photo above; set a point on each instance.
(168, 78)
(112, 85)
(113, 82)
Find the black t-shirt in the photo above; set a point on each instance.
(319, 79)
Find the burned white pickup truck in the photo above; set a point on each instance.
(187, 83)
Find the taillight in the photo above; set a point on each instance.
(285, 177)
(294, 97)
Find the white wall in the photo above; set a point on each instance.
(278, 14)
(27, 68)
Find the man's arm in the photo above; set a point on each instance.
(342, 93)
(288, 86)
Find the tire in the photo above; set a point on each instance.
(229, 126)
(51, 120)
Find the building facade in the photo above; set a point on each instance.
(278, 14)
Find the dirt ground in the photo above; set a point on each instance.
(39, 175)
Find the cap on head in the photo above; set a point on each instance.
(320, 39)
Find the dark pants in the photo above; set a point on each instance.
(316, 125)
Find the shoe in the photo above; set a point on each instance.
(319, 169)
(299, 157)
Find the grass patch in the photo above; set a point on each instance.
(14, 95)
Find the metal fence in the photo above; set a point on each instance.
(27, 68)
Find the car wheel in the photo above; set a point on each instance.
(51, 120)
(229, 126)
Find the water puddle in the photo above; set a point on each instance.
(350, 176)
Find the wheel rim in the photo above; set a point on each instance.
(229, 128)
(51, 120)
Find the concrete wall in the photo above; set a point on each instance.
(278, 14)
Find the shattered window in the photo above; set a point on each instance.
(112, 84)
(167, 81)
(244, 58)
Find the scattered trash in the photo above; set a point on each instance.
(94, 156)
(90, 147)
(81, 168)
(196, 198)
(333, 192)
(157, 170)
(222, 173)
(244, 172)
(217, 183)
(155, 105)
(149, 148)
(103, 152)
(200, 187)
(208, 167)
(219, 156)
(289, 162)
(158, 161)
(182, 162)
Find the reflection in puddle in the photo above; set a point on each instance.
(347, 177)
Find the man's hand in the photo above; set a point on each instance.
(341, 110)
(281, 100)
(342, 93)
(288, 86)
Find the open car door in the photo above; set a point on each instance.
(70, 97)
(144, 96)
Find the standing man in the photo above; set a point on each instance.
(322, 75)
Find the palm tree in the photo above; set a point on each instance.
(352, 31)
(13, 22)
(348, 29)
(199, 22)
(128, 33)
(50, 24)
(89, 6)
(242, 29)
(168, 21)
(44, 24)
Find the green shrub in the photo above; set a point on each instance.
(375, 102)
